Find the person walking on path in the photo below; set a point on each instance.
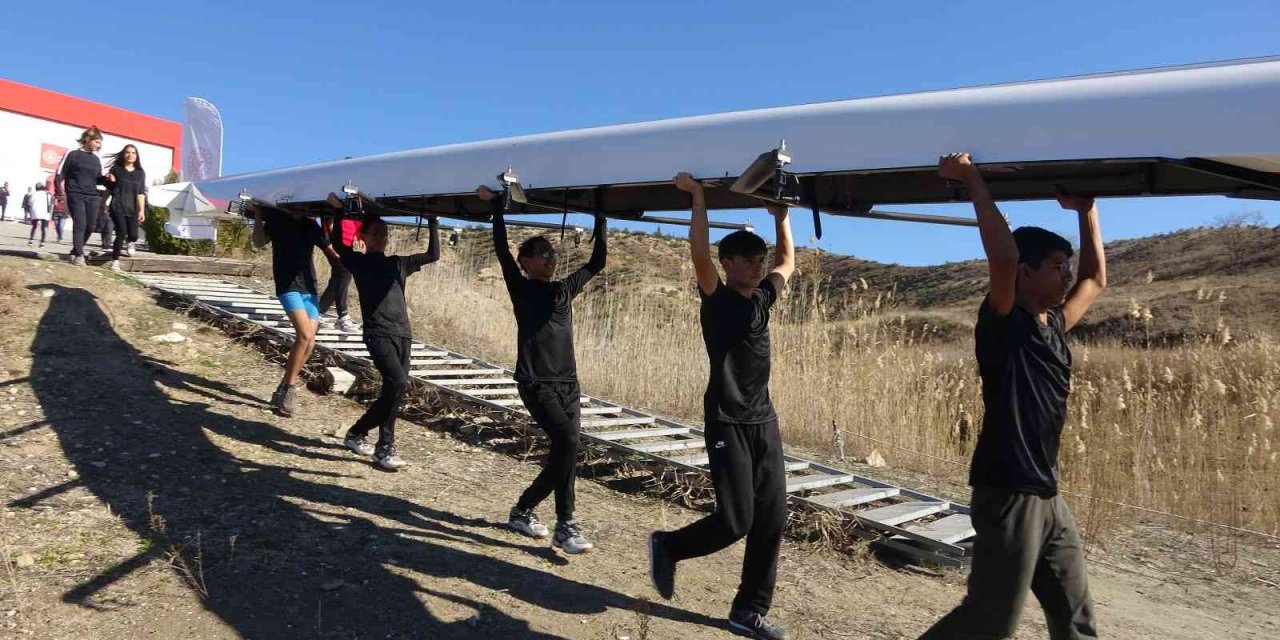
(1026, 537)
(77, 183)
(546, 371)
(127, 204)
(36, 206)
(335, 293)
(743, 443)
(292, 239)
(380, 281)
(4, 200)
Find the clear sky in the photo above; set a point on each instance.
(299, 82)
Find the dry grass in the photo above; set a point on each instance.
(1187, 430)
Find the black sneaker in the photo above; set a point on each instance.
(662, 569)
(754, 625)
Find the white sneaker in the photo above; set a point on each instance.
(115, 266)
(389, 460)
(128, 250)
(78, 261)
(569, 538)
(346, 324)
(527, 523)
(358, 445)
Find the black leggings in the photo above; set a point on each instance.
(126, 225)
(750, 480)
(44, 229)
(390, 354)
(557, 408)
(84, 216)
(336, 291)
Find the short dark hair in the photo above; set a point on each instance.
(1035, 244)
(370, 222)
(741, 243)
(530, 247)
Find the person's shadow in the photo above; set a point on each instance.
(272, 553)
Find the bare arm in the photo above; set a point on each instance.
(699, 235)
(784, 254)
(1092, 277)
(997, 239)
(260, 238)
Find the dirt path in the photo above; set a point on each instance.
(149, 493)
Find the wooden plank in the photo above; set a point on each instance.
(617, 422)
(853, 497)
(481, 393)
(428, 373)
(896, 514)
(596, 411)
(948, 529)
(635, 434)
(815, 481)
(671, 445)
(452, 382)
(703, 459)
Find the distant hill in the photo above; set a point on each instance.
(1194, 284)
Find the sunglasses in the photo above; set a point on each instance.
(1062, 267)
(549, 254)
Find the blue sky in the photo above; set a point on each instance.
(300, 82)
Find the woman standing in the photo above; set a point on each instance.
(36, 205)
(77, 183)
(128, 200)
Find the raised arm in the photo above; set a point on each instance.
(1092, 272)
(432, 254)
(599, 255)
(997, 239)
(510, 270)
(699, 235)
(784, 254)
(260, 237)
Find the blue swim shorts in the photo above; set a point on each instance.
(295, 300)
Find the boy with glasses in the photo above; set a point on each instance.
(546, 370)
(1026, 537)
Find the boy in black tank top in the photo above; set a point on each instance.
(1026, 537)
(742, 438)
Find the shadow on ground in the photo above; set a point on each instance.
(270, 550)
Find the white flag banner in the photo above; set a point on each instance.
(201, 140)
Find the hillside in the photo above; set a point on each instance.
(1188, 280)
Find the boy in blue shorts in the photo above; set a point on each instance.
(295, 277)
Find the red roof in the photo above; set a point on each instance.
(78, 112)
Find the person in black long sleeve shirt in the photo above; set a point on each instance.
(546, 372)
(77, 182)
(380, 282)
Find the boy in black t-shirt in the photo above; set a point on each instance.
(743, 443)
(380, 281)
(292, 239)
(1026, 537)
(546, 370)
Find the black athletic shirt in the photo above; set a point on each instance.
(544, 310)
(81, 173)
(126, 189)
(291, 241)
(1026, 375)
(736, 332)
(380, 282)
